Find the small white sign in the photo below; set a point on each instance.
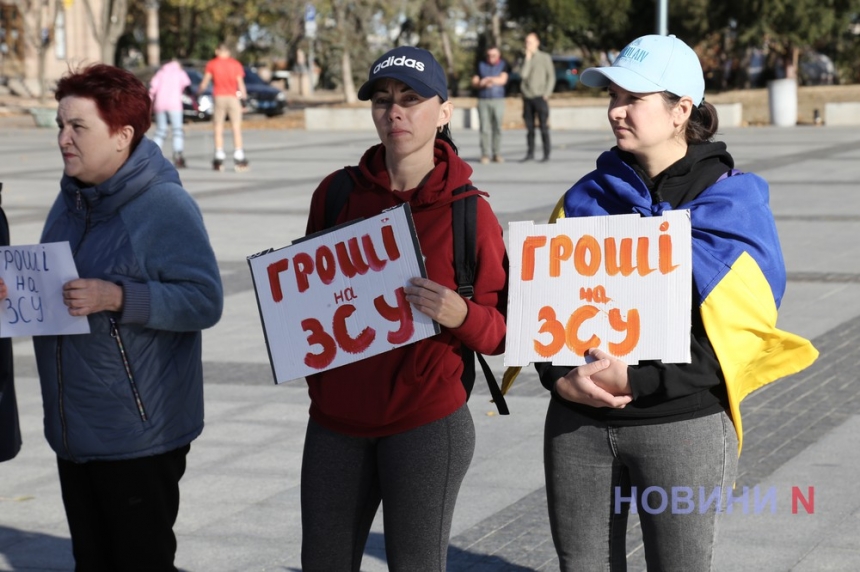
(337, 297)
(311, 29)
(620, 283)
(34, 276)
(310, 21)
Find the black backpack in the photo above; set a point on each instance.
(465, 216)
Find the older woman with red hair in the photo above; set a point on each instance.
(123, 403)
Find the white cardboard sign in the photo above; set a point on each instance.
(337, 297)
(34, 276)
(621, 283)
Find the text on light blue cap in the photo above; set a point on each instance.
(651, 64)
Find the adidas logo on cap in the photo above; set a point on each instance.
(399, 61)
(416, 67)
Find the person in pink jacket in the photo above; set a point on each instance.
(166, 88)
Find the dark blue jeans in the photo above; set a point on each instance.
(593, 470)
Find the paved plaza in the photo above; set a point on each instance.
(240, 495)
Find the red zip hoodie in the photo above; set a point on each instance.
(419, 383)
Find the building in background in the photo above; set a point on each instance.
(44, 38)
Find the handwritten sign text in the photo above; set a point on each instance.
(620, 283)
(339, 297)
(34, 276)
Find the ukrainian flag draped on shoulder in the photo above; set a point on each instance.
(738, 269)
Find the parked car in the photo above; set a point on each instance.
(817, 69)
(197, 107)
(262, 97)
(567, 70)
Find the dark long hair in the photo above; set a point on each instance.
(444, 133)
(703, 122)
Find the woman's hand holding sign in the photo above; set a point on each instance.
(88, 296)
(4, 290)
(440, 303)
(597, 384)
(613, 379)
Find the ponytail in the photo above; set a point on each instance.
(444, 133)
(703, 122)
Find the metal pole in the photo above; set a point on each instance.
(153, 48)
(311, 65)
(663, 17)
(311, 34)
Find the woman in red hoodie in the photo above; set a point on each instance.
(395, 428)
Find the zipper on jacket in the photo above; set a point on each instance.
(79, 204)
(63, 426)
(114, 333)
(63, 423)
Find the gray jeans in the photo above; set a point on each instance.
(416, 475)
(491, 111)
(593, 470)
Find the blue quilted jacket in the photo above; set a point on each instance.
(133, 386)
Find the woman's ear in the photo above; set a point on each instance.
(124, 137)
(446, 110)
(682, 111)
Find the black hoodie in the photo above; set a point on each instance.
(668, 392)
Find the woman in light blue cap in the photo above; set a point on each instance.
(662, 439)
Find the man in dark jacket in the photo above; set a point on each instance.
(538, 82)
(10, 431)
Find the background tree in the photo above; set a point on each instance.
(107, 26)
(351, 34)
(592, 26)
(354, 34)
(38, 26)
(284, 22)
(587, 25)
(844, 45)
(487, 16)
(785, 27)
(432, 23)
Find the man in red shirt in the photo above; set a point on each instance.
(228, 87)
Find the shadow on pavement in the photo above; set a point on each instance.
(25, 550)
(459, 560)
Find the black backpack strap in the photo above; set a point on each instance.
(465, 213)
(465, 222)
(337, 195)
(495, 391)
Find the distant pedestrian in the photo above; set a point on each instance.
(166, 89)
(538, 81)
(228, 89)
(10, 430)
(490, 79)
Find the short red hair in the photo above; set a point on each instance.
(120, 97)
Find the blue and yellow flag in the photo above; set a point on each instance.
(738, 270)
